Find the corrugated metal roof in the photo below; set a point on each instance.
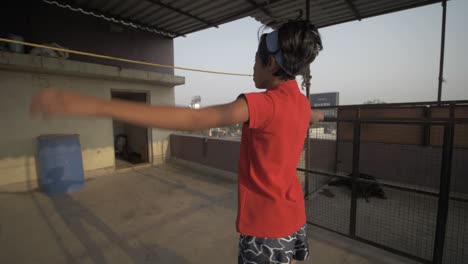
(176, 18)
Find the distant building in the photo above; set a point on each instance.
(325, 99)
(196, 102)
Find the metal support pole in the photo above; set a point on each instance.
(444, 193)
(307, 147)
(442, 50)
(307, 155)
(355, 177)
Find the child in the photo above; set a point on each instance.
(271, 212)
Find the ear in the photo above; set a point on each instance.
(272, 65)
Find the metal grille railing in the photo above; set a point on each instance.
(394, 176)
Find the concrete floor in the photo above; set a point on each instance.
(165, 214)
(122, 164)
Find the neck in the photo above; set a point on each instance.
(275, 82)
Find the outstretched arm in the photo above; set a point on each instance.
(60, 102)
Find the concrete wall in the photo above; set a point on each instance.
(218, 153)
(41, 23)
(22, 75)
(408, 165)
(427, 135)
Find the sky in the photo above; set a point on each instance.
(393, 58)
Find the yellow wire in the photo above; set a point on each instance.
(119, 59)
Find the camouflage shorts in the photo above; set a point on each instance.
(260, 250)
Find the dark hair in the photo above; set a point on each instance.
(300, 43)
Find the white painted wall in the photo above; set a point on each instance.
(20, 80)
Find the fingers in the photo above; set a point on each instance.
(45, 102)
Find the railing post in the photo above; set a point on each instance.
(444, 190)
(307, 147)
(355, 177)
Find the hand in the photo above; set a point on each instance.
(320, 115)
(316, 116)
(60, 102)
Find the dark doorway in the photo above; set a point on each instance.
(130, 141)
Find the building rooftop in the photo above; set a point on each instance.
(171, 213)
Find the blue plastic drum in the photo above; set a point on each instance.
(60, 164)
